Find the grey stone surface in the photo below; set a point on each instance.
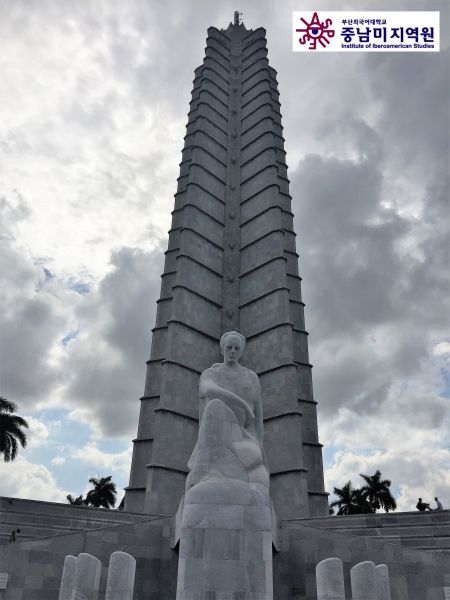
(121, 574)
(414, 574)
(423, 531)
(35, 566)
(87, 577)
(37, 519)
(330, 580)
(68, 578)
(226, 521)
(382, 582)
(363, 580)
(231, 264)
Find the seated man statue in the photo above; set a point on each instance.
(230, 440)
(226, 517)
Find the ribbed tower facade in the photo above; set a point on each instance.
(231, 264)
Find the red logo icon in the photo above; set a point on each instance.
(316, 31)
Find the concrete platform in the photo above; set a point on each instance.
(423, 531)
(35, 566)
(37, 519)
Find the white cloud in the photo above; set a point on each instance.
(58, 460)
(37, 433)
(24, 479)
(95, 458)
(415, 473)
(80, 143)
(442, 349)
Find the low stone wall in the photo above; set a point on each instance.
(37, 519)
(34, 567)
(414, 574)
(420, 530)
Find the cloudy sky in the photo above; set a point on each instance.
(93, 108)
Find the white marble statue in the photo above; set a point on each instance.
(230, 440)
(226, 523)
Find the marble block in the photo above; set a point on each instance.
(87, 577)
(121, 572)
(363, 580)
(382, 582)
(68, 578)
(330, 580)
(226, 548)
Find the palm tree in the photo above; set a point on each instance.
(78, 501)
(345, 496)
(361, 504)
(103, 493)
(350, 501)
(11, 434)
(377, 492)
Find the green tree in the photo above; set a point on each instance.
(361, 504)
(103, 493)
(345, 497)
(78, 501)
(350, 501)
(11, 430)
(377, 493)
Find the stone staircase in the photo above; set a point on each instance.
(422, 531)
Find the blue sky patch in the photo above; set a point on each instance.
(445, 393)
(81, 287)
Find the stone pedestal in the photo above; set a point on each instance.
(87, 577)
(226, 542)
(382, 581)
(330, 580)
(363, 580)
(121, 572)
(68, 578)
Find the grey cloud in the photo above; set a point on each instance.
(107, 360)
(347, 257)
(426, 411)
(414, 90)
(359, 285)
(31, 320)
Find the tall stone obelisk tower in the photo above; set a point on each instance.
(231, 263)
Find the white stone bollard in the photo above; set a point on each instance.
(121, 572)
(68, 578)
(382, 581)
(330, 579)
(363, 580)
(87, 577)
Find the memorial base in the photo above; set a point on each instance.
(226, 542)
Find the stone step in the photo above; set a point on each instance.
(37, 519)
(425, 531)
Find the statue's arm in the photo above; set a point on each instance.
(208, 390)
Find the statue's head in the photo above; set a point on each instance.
(232, 345)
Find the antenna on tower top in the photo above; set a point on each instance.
(237, 15)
